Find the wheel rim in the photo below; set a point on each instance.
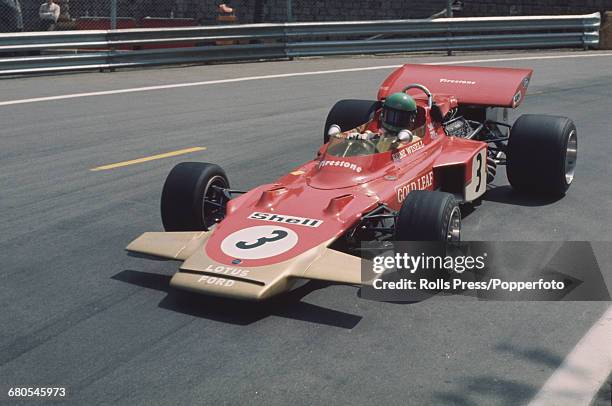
(453, 233)
(570, 157)
(213, 203)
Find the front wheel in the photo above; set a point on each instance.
(541, 154)
(429, 216)
(193, 198)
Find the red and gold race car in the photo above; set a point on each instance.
(395, 168)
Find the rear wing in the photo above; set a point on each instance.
(471, 85)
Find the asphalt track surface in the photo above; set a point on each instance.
(78, 312)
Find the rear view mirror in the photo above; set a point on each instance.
(334, 130)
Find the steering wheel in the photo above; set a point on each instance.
(364, 147)
(423, 89)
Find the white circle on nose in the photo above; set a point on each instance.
(259, 242)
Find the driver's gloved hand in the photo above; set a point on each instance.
(405, 135)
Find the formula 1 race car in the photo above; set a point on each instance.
(305, 225)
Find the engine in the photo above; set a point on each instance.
(458, 127)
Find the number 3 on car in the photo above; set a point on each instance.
(259, 242)
(477, 184)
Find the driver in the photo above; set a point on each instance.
(398, 115)
(397, 124)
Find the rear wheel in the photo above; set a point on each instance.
(192, 198)
(348, 114)
(541, 154)
(429, 216)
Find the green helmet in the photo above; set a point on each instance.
(399, 112)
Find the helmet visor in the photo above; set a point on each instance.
(399, 118)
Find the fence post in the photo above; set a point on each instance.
(113, 14)
(449, 14)
(113, 26)
(289, 11)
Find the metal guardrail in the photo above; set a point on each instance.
(80, 50)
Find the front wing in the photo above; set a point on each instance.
(199, 273)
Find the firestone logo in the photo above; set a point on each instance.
(457, 81)
(342, 164)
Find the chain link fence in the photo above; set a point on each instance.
(27, 15)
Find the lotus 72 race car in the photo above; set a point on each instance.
(359, 187)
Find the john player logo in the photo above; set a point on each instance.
(420, 183)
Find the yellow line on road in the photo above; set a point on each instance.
(147, 159)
